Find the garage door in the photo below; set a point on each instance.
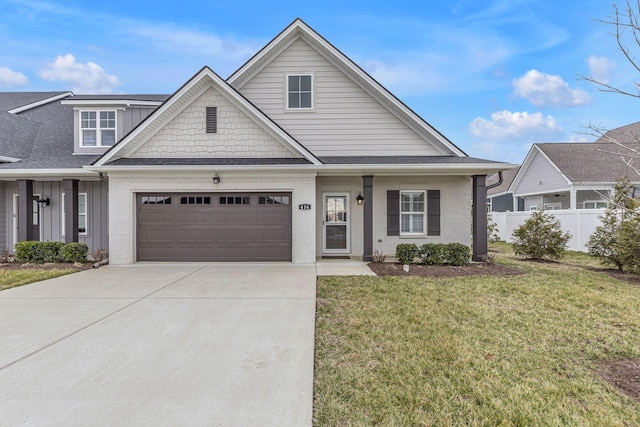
(214, 227)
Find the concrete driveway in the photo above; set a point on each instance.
(160, 345)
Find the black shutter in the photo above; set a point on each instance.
(433, 212)
(212, 119)
(393, 212)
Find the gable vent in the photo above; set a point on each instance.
(212, 119)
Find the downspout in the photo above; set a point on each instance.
(494, 185)
(104, 178)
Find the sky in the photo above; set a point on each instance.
(493, 76)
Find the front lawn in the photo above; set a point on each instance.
(10, 278)
(518, 350)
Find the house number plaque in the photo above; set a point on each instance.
(304, 207)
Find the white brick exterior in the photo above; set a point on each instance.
(455, 207)
(124, 186)
(237, 135)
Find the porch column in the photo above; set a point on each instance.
(573, 199)
(479, 218)
(515, 204)
(70, 187)
(367, 186)
(25, 210)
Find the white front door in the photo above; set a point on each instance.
(336, 223)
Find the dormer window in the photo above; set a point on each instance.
(97, 128)
(300, 92)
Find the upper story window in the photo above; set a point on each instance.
(300, 92)
(97, 128)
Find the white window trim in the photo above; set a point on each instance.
(97, 128)
(86, 215)
(424, 214)
(533, 208)
(595, 202)
(313, 92)
(554, 205)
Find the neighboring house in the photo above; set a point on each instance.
(571, 175)
(299, 154)
(499, 199)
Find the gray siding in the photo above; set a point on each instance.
(125, 121)
(345, 120)
(540, 177)
(131, 117)
(3, 217)
(51, 216)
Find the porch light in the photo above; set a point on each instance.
(359, 199)
(43, 200)
(216, 179)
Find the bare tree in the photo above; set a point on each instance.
(625, 142)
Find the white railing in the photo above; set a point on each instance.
(581, 223)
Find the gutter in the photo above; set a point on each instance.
(494, 185)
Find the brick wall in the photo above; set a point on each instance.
(124, 186)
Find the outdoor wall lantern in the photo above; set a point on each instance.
(216, 179)
(43, 200)
(359, 199)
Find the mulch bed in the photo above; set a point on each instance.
(395, 269)
(623, 374)
(46, 266)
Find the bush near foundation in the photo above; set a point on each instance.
(41, 252)
(433, 254)
(74, 252)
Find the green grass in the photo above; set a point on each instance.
(475, 351)
(10, 278)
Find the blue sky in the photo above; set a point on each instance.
(492, 76)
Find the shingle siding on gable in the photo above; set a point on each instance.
(540, 170)
(345, 121)
(237, 135)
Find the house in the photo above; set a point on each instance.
(499, 199)
(299, 154)
(573, 175)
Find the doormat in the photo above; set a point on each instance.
(336, 257)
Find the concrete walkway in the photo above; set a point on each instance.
(160, 345)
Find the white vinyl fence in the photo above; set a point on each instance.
(581, 223)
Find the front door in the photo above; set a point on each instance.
(336, 223)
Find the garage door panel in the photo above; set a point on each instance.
(214, 227)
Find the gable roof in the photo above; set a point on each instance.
(16, 102)
(39, 140)
(201, 81)
(624, 134)
(299, 29)
(585, 162)
(590, 162)
(507, 178)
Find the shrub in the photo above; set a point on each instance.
(540, 237)
(492, 230)
(458, 254)
(378, 256)
(433, 254)
(629, 244)
(38, 252)
(99, 254)
(74, 252)
(407, 253)
(604, 242)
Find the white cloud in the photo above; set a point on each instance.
(85, 78)
(11, 78)
(507, 125)
(173, 39)
(548, 90)
(600, 68)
